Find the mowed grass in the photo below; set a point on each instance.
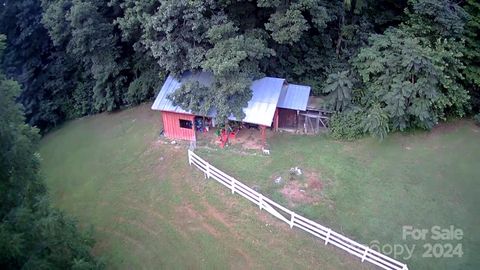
(372, 189)
(151, 210)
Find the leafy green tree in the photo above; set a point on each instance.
(406, 78)
(233, 62)
(17, 161)
(32, 234)
(93, 40)
(176, 33)
(472, 53)
(436, 18)
(412, 74)
(376, 122)
(287, 26)
(339, 89)
(31, 59)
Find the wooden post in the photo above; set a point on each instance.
(207, 174)
(260, 200)
(292, 219)
(233, 186)
(277, 119)
(189, 158)
(296, 120)
(264, 135)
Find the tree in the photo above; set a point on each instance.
(146, 75)
(31, 59)
(32, 234)
(436, 18)
(93, 40)
(18, 163)
(406, 77)
(176, 33)
(472, 53)
(412, 74)
(339, 87)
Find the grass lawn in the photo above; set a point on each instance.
(150, 210)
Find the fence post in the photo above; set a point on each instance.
(207, 174)
(365, 253)
(233, 186)
(260, 200)
(292, 219)
(189, 158)
(328, 236)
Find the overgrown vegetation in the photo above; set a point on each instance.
(33, 235)
(477, 119)
(347, 125)
(415, 62)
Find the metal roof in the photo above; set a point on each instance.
(266, 94)
(261, 108)
(162, 103)
(294, 96)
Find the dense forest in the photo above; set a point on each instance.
(33, 235)
(382, 66)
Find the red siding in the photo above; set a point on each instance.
(171, 126)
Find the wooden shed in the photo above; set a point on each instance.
(275, 103)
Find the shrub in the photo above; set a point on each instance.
(476, 118)
(347, 125)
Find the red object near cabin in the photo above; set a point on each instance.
(179, 125)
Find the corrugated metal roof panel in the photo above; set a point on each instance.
(162, 103)
(294, 97)
(260, 109)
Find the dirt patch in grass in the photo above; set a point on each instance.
(246, 138)
(307, 191)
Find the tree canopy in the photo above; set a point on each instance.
(105, 55)
(33, 235)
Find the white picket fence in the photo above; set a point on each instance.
(293, 219)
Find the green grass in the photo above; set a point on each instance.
(151, 210)
(422, 180)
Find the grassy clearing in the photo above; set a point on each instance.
(372, 189)
(150, 210)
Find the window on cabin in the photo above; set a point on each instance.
(186, 124)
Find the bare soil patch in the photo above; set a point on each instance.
(246, 138)
(307, 191)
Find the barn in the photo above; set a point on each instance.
(275, 104)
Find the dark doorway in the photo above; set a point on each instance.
(287, 118)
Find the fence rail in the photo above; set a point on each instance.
(295, 220)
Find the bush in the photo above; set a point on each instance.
(347, 125)
(476, 118)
